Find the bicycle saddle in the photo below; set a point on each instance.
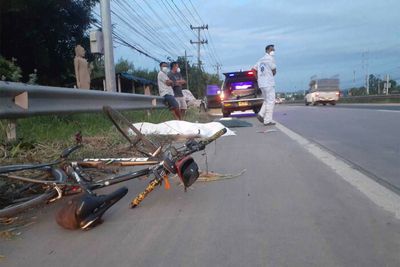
(85, 212)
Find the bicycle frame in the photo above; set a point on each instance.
(116, 162)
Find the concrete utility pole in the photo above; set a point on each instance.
(187, 71)
(379, 84)
(365, 59)
(218, 67)
(108, 45)
(199, 41)
(387, 84)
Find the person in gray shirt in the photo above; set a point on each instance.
(166, 91)
(177, 82)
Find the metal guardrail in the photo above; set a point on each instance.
(349, 98)
(18, 100)
(371, 96)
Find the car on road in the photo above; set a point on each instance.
(240, 92)
(322, 91)
(212, 97)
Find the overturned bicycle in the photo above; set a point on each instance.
(63, 176)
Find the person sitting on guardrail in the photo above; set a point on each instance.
(166, 91)
(176, 77)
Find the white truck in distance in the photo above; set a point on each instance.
(322, 91)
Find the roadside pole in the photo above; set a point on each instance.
(187, 71)
(108, 45)
(387, 84)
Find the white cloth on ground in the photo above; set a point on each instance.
(176, 127)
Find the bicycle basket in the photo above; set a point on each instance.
(187, 170)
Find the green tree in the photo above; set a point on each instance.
(42, 35)
(123, 65)
(356, 91)
(9, 71)
(198, 79)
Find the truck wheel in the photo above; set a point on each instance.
(324, 104)
(333, 103)
(314, 103)
(306, 103)
(225, 114)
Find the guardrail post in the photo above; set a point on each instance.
(11, 130)
(147, 92)
(119, 84)
(133, 87)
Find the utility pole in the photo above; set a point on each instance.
(218, 67)
(199, 41)
(365, 60)
(379, 84)
(187, 71)
(108, 45)
(387, 84)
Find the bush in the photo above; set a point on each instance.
(9, 71)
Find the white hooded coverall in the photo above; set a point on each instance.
(266, 82)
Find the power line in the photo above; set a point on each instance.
(157, 25)
(149, 28)
(173, 17)
(207, 32)
(141, 34)
(133, 46)
(182, 14)
(191, 14)
(183, 17)
(136, 49)
(173, 32)
(141, 25)
(148, 35)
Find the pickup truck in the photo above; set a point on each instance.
(323, 91)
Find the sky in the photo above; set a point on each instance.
(322, 38)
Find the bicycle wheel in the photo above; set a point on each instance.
(24, 204)
(130, 132)
(22, 190)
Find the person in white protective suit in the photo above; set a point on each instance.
(266, 70)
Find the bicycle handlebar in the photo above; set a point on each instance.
(194, 146)
(214, 137)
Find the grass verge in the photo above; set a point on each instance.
(42, 138)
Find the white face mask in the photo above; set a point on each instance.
(178, 70)
(164, 69)
(272, 53)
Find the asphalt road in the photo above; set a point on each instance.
(370, 106)
(287, 209)
(365, 135)
(388, 106)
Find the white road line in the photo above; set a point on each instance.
(377, 193)
(388, 110)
